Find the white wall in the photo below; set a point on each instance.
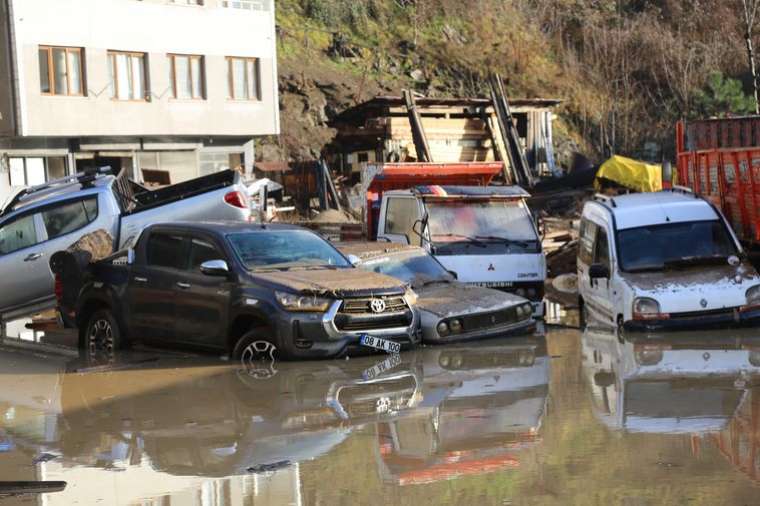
(155, 27)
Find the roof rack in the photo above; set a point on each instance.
(84, 178)
(605, 199)
(682, 189)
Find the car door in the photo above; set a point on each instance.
(601, 288)
(399, 215)
(20, 261)
(587, 238)
(202, 301)
(162, 262)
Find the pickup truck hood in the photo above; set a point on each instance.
(334, 282)
(455, 299)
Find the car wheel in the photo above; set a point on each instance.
(102, 337)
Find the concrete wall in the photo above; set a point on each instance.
(154, 27)
(6, 76)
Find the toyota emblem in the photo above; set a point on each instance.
(703, 303)
(377, 306)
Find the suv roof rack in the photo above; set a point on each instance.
(86, 179)
(605, 199)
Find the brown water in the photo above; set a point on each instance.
(569, 419)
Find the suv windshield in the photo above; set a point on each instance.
(657, 247)
(285, 249)
(414, 267)
(502, 221)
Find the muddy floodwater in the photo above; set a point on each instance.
(569, 418)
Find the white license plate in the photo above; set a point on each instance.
(386, 365)
(380, 344)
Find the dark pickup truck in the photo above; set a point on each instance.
(242, 289)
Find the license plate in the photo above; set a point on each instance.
(380, 344)
(376, 370)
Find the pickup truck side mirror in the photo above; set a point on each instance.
(454, 274)
(598, 271)
(216, 268)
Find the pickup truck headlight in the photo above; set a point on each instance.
(753, 295)
(303, 303)
(645, 306)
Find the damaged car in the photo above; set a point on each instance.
(449, 311)
(249, 291)
(664, 260)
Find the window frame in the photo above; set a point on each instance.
(112, 54)
(51, 71)
(173, 63)
(231, 78)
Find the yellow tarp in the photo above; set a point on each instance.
(633, 174)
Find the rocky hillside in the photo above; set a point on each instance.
(626, 69)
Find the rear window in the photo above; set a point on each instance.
(167, 250)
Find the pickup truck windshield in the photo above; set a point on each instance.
(416, 268)
(284, 249)
(505, 221)
(657, 247)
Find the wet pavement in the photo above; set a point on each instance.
(569, 418)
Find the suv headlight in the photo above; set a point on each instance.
(645, 306)
(753, 295)
(303, 303)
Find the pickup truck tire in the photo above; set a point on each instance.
(257, 346)
(102, 337)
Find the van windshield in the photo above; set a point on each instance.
(481, 222)
(657, 247)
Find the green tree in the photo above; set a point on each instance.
(721, 96)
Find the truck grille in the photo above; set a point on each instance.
(363, 306)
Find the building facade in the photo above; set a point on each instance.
(166, 89)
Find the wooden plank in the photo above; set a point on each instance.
(418, 132)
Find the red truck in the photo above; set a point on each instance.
(720, 160)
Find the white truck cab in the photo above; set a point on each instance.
(486, 235)
(652, 261)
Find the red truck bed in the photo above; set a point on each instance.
(720, 160)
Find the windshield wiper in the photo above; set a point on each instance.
(520, 242)
(646, 268)
(471, 240)
(697, 260)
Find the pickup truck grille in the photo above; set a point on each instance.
(356, 315)
(363, 306)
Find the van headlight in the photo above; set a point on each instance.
(753, 296)
(303, 303)
(645, 306)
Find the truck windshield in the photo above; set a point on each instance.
(504, 221)
(285, 249)
(414, 267)
(657, 247)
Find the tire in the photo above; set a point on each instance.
(257, 347)
(102, 337)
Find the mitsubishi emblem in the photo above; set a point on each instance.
(377, 306)
(491, 268)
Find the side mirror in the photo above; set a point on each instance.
(217, 268)
(355, 260)
(454, 274)
(598, 271)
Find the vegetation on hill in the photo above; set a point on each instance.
(627, 70)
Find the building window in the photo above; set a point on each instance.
(188, 2)
(243, 75)
(187, 76)
(32, 171)
(128, 75)
(251, 5)
(61, 71)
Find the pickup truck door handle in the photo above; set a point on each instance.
(33, 257)
(140, 280)
(183, 286)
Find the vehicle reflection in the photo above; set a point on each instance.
(482, 406)
(691, 383)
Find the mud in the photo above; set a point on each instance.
(594, 418)
(713, 277)
(335, 283)
(455, 300)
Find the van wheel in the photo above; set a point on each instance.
(102, 337)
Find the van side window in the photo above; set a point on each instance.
(602, 249)
(400, 215)
(18, 234)
(70, 216)
(202, 251)
(587, 237)
(167, 250)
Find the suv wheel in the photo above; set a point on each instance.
(102, 337)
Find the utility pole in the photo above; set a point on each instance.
(750, 15)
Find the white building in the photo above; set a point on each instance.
(168, 89)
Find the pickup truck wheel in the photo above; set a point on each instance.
(102, 336)
(255, 349)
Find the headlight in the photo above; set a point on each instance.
(645, 306)
(753, 295)
(303, 303)
(456, 326)
(411, 297)
(443, 329)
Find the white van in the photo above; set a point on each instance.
(663, 260)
